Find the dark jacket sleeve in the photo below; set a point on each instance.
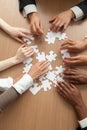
(81, 129)
(23, 3)
(83, 7)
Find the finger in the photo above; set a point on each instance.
(60, 87)
(67, 43)
(28, 48)
(41, 28)
(65, 26)
(19, 40)
(52, 19)
(45, 65)
(33, 29)
(45, 71)
(72, 58)
(30, 54)
(26, 36)
(69, 72)
(55, 24)
(41, 62)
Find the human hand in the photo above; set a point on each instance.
(69, 92)
(19, 33)
(61, 21)
(77, 60)
(36, 25)
(23, 53)
(75, 75)
(74, 46)
(39, 69)
(72, 94)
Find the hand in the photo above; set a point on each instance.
(61, 21)
(75, 76)
(19, 33)
(39, 69)
(36, 25)
(77, 60)
(74, 46)
(23, 53)
(72, 94)
(69, 92)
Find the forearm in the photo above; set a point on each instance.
(7, 97)
(22, 84)
(4, 26)
(81, 111)
(8, 63)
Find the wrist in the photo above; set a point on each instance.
(71, 13)
(15, 60)
(32, 75)
(81, 111)
(32, 15)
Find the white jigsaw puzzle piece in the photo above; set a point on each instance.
(51, 36)
(27, 41)
(51, 57)
(65, 53)
(41, 56)
(36, 50)
(51, 76)
(46, 85)
(27, 68)
(35, 89)
(28, 60)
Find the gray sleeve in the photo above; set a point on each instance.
(7, 97)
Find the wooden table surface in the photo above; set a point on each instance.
(46, 110)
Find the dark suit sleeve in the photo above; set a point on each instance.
(81, 129)
(23, 3)
(83, 7)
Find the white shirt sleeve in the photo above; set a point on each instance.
(23, 84)
(29, 9)
(6, 83)
(78, 13)
(83, 123)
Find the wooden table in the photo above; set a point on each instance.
(46, 110)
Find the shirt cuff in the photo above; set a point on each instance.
(83, 123)
(6, 83)
(78, 13)
(29, 9)
(23, 84)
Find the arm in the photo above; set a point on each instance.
(14, 32)
(23, 53)
(28, 7)
(23, 83)
(72, 94)
(60, 22)
(80, 10)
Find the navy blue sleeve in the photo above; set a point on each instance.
(23, 3)
(83, 7)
